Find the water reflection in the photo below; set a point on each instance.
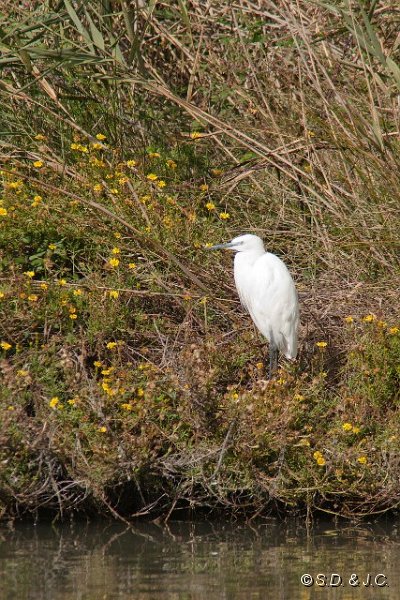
(195, 561)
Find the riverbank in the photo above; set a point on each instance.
(132, 381)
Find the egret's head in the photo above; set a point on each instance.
(242, 243)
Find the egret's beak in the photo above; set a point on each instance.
(221, 246)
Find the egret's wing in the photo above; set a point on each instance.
(243, 283)
(271, 300)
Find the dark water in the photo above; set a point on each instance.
(197, 561)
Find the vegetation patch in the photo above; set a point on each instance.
(133, 138)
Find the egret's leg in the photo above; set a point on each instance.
(273, 359)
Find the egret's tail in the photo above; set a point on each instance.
(289, 346)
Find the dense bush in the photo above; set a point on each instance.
(132, 139)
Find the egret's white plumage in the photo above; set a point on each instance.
(266, 289)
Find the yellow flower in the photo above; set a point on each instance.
(97, 187)
(29, 274)
(152, 176)
(14, 185)
(54, 402)
(107, 371)
(115, 250)
(114, 191)
(171, 164)
(210, 206)
(132, 265)
(321, 344)
(96, 146)
(77, 292)
(140, 392)
(143, 366)
(100, 137)
(203, 187)
(161, 183)
(102, 429)
(195, 135)
(5, 345)
(2, 294)
(113, 262)
(44, 286)
(3, 212)
(38, 164)
(97, 363)
(52, 246)
(127, 406)
(33, 297)
(131, 163)
(224, 216)
(62, 282)
(111, 345)
(369, 318)
(117, 235)
(259, 365)
(113, 294)
(304, 442)
(355, 429)
(73, 316)
(123, 180)
(362, 460)
(320, 460)
(109, 391)
(37, 198)
(394, 330)
(349, 319)
(347, 426)
(154, 155)
(22, 373)
(310, 133)
(72, 401)
(381, 324)
(40, 137)
(298, 397)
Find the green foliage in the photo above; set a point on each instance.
(133, 139)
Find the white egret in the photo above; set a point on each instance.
(266, 290)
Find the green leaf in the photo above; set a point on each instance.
(96, 33)
(395, 70)
(78, 23)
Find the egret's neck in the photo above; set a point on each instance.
(248, 257)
